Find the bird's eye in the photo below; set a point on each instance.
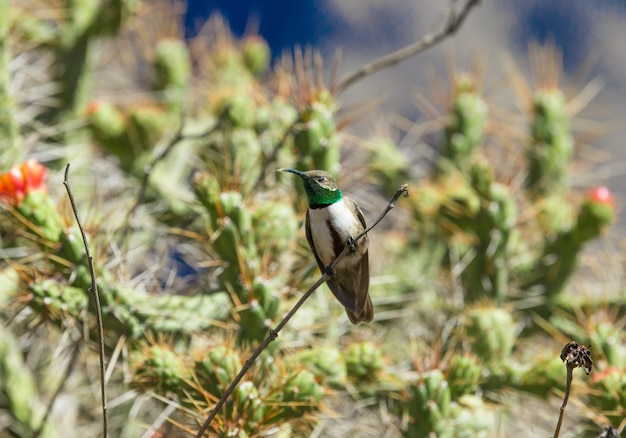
(321, 178)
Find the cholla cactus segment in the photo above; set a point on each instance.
(459, 206)
(160, 367)
(551, 146)
(106, 122)
(42, 213)
(182, 314)
(144, 128)
(389, 164)
(113, 14)
(501, 207)
(597, 211)
(248, 406)
(171, 65)
(246, 150)
(487, 273)
(207, 189)
(429, 405)
(218, 368)
(233, 207)
(554, 214)
(364, 361)
(473, 418)
(301, 386)
(316, 137)
(54, 299)
(464, 375)
(223, 207)
(433, 414)
(18, 389)
(465, 129)
(9, 128)
(256, 54)
(275, 224)
(266, 292)
(492, 332)
(325, 363)
(239, 109)
(254, 323)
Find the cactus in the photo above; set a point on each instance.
(86, 22)
(233, 221)
(256, 54)
(217, 368)
(491, 332)
(302, 391)
(19, 390)
(364, 361)
(551, 145)
(389, 164)
(429, 405)
(9, 131)
(161, 368)
(171, 66)
(464, 374)
(326, 364)
(560, 255)
(316, 138)
(465, 128)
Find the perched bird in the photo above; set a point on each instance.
(332, 221)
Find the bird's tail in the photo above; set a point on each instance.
(366, 315)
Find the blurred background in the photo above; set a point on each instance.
(590, 36)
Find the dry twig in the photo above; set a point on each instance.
(93, 291)
(454, 20)
(574, 356)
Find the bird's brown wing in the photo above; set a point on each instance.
(364, 310)
(347, 300)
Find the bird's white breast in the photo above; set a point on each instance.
(342, 219)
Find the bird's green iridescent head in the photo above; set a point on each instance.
(320, 186)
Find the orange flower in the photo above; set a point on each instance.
(20, 181)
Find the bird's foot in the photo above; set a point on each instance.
(328, 270)
(351, 244)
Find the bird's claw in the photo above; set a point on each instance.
(351, 244)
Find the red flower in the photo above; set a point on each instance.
(20, 181)
(601, 195)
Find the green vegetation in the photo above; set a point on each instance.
(471, 273)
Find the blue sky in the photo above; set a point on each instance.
(285, 23)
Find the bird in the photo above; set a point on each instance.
(333, 221)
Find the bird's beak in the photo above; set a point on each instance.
(297, 172)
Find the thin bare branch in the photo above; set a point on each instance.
(93, 291)
(454, 20)
(568, 385)
(273, 334)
